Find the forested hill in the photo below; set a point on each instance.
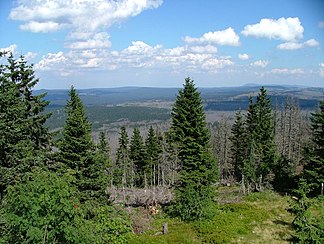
(218, 98)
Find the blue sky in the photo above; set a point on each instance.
(157, 43)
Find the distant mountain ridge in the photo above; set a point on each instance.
(113, 96)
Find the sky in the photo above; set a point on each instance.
(158, 43)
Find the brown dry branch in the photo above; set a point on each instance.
(153, 196)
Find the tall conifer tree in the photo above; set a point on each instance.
(153, 150)
(77, 150)
(122, 171)
(238, 147)
(260, 145)
(314, 167)
(198, 169)
(137, 155)
(76, 145)
(24, 138)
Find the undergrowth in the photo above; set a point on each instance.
(258, 217)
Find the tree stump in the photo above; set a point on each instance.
(165, 228)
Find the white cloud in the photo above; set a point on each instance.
(287, 71)
(290, 46)
(81, 15)
(321, 71)
(260, 63)
(11, 49)
(35, 26)
(193, 59)
(99, 40)
(213, 64)
(30, 55)
(243, 56)
(140, 47)
(286, 29)
(50, 60)
(296, 45)
(311, 43)
(203, 49)
(92, 63)
(223, 37)
(321, 24)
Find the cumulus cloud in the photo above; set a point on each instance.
(35, 26)
(296, 45)
(321, 71)
(311, 43)
(243, 56)
(99, 40)
(290, 46)
(260, 63)
(140, 48)
(91, 63)
(223, 37)
(85, 15)
(287, 71)
(10, 49)
(214, 64)
(286, 29)
(30, 55)
(49, 60)
(138, 55)
(203, 49)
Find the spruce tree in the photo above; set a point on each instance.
(260, 145)
(77, 150)
(308, 228)
(24, 139)
(122, 169)
(314, 154)
(103, 152)
(198, 169)
(76, 145)
(265, 133)
(250, 164)
(101, 169)
(153, 150)
(238, 147)
(137, 155)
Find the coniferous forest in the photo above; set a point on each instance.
(256, 180)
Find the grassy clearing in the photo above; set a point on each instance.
(257, 218)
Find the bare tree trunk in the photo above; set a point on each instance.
(243, 185)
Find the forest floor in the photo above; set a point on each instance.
(256, 218)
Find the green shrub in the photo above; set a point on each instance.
(112, 226)
(43, 208)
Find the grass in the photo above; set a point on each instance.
(257, 218)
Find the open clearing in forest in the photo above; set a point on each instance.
(256, 218)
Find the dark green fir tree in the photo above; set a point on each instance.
(24, 138)
(137, 155)
(122, 170)
(308, 228)
(314, 154)
(153, 151)
(198, 169)
(238, 146)
(77, 150)
(260, 145)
